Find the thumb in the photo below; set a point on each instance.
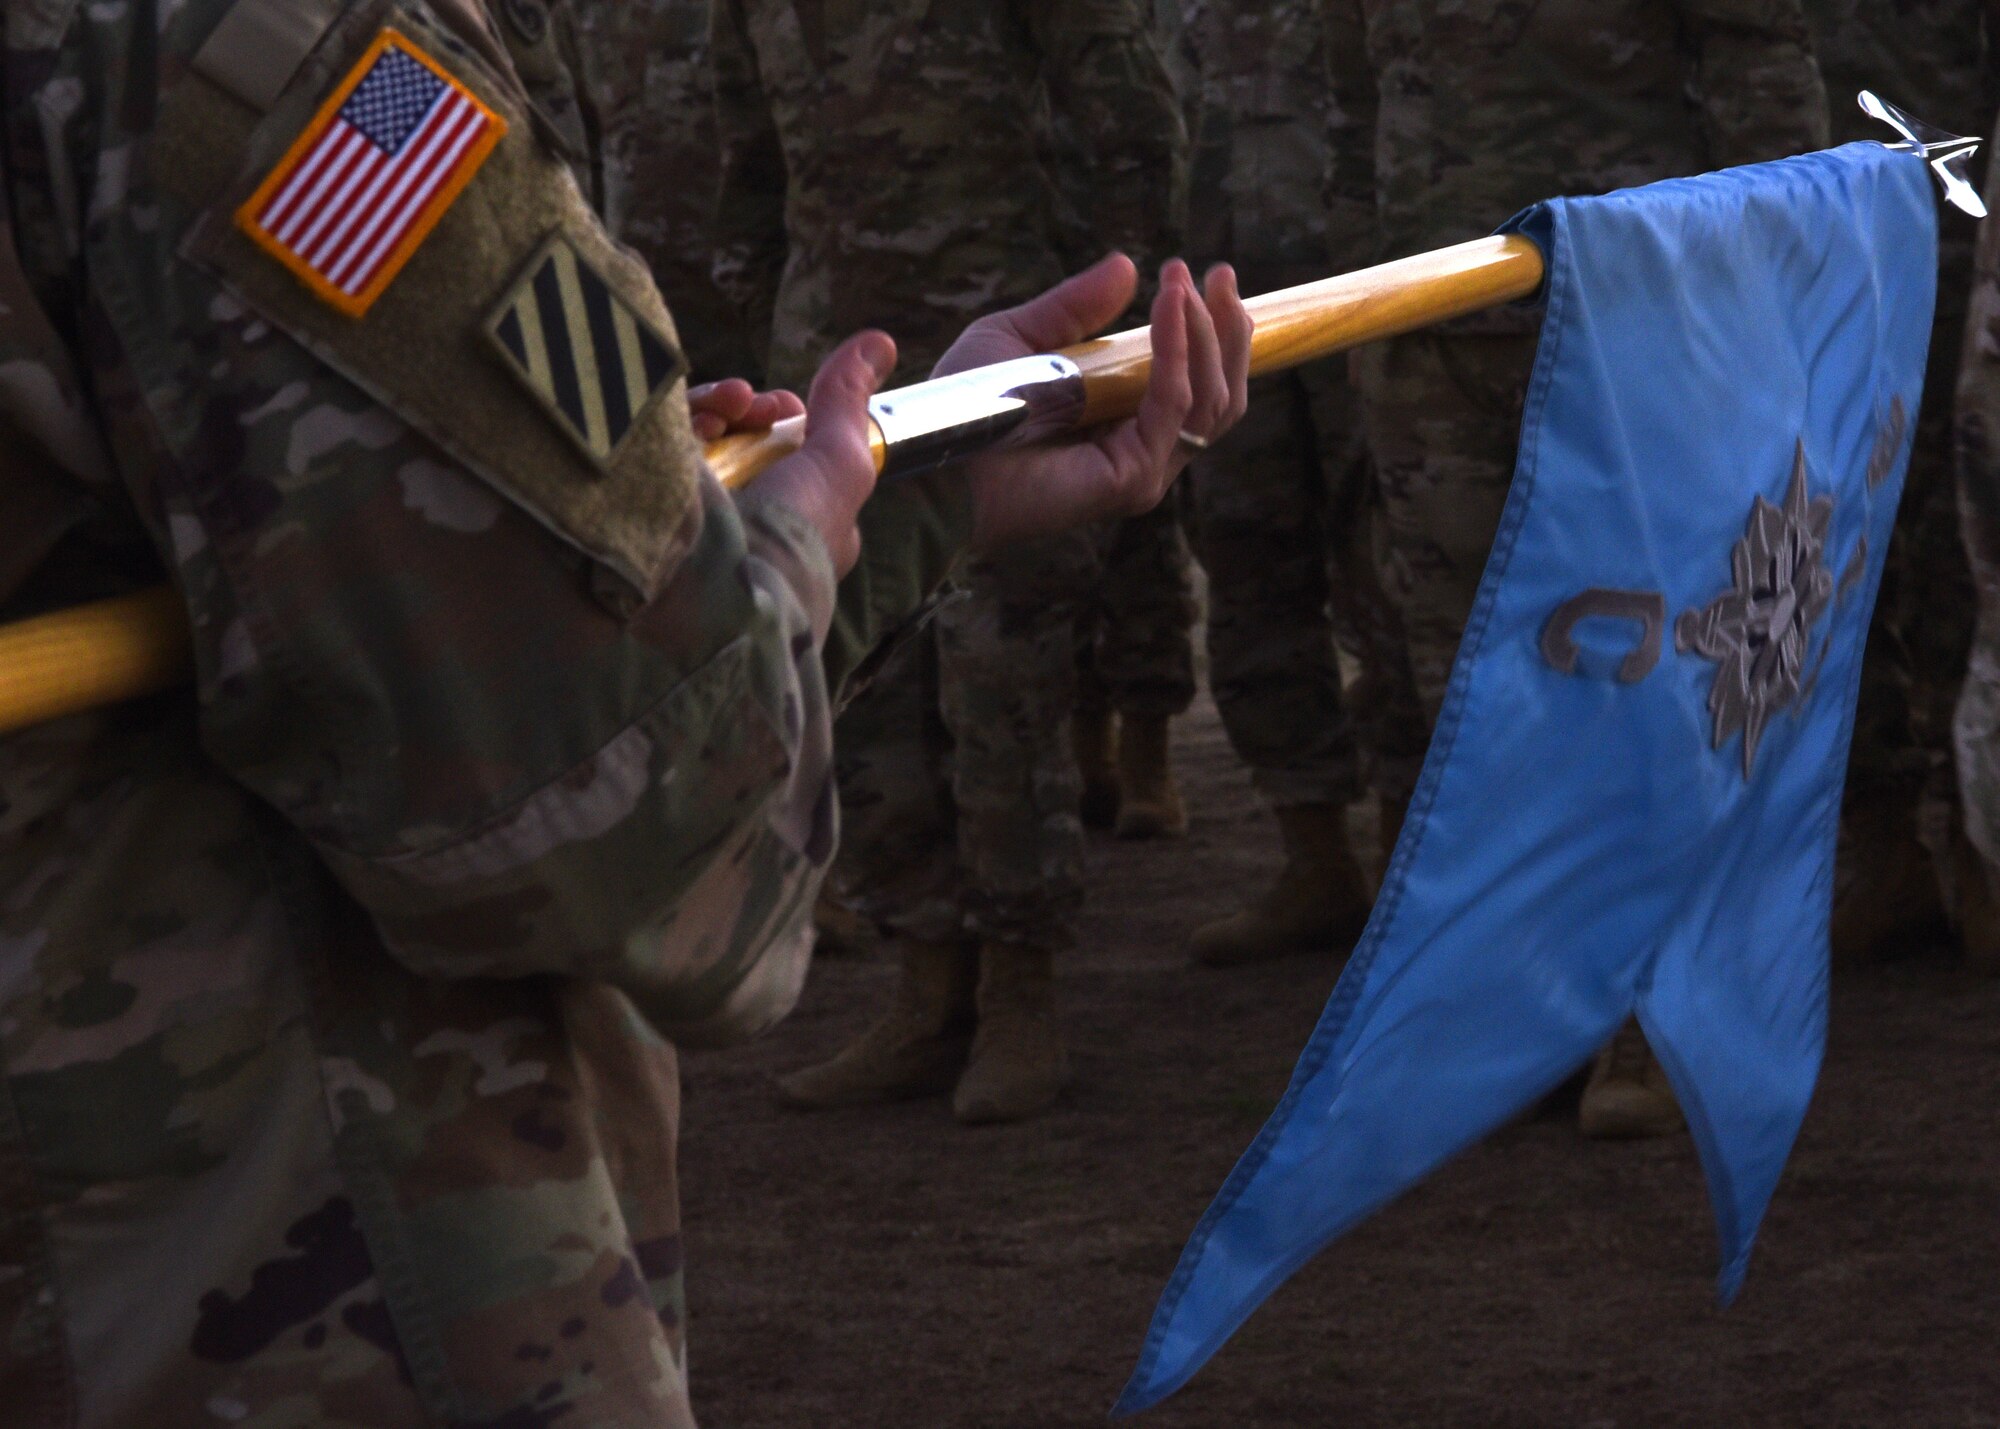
(837, 421)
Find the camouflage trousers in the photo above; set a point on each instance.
(959, 786)
(1442, 411)
(1922, 631)
(1135, 652)
(1285, 517)
(1976, 725)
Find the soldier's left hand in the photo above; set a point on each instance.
(733, 405)
(1199, 387)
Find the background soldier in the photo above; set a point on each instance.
(660, 169)
(898, 145)
(1483, 107)
(1895, 873)
(1283, 513)
(1976, 728)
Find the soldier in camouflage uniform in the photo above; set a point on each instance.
(1135, 648)
(336, 1085)
(1135, 674)
(1895, 883)
(1976, 725)
(895, 143)
(1479, 108)
(661, 168)
(1283, 512)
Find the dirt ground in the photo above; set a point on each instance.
(889, 1268)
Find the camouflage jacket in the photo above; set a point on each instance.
(884, 165)
(336, 1080)
(1929, 56)
(1261, 144)
(1482, 107)
(661, 166)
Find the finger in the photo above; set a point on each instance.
(837, 408)
(728, 399)
(1164, 409)
(1074, 309)
(1233, 325)
(708, 427)
(1206, 378)
(771, 408)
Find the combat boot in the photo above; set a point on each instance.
(1627, 1096)
(1886, 897)
(1150, 806)
(918, 1047)
(1095, 739)
(1018, 1065)
(1320, 900)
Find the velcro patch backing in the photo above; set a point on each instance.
(594, 364)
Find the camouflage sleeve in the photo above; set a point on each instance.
(1761, 92)
(750, 197)
(1106, 78)
(540, 715)
(1352, 228)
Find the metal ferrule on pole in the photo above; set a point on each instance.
(933, 423)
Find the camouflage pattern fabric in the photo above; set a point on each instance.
(661, 167)
(864, 150)
(893, 151)
(1136, 633)
(1932, 57)
(1481, 107)
(1976, 728)
(1284, 510)
(336, 1080)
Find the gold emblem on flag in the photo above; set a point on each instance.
(594, 364)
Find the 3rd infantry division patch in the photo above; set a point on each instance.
(592, 362)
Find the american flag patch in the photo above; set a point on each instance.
(373, 173)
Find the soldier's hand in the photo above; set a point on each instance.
(1199, 386)
(733, 405)
(828, 478)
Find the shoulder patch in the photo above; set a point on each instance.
(382, 161)
(593, 363)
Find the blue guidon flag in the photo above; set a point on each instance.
(372, 174)
(1631, 799)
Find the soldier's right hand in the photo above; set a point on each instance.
(829, 477)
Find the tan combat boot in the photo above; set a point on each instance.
(1320, 900)
(1094, 736)
(1627, 1096)
(1886, 898)
(1018, 1066)
(1150, 806)
(918, 1047)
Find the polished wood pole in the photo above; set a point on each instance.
(136, 645)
